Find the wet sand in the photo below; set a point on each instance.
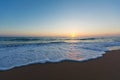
(104, 68)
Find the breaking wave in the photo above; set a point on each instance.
(15, 52)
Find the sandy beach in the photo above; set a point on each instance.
(104, 68)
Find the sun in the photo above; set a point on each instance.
(73, 35)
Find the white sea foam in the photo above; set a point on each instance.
(16, 56)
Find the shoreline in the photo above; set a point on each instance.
(103, 68)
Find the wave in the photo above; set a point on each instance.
(11, 57)
(18, 39)
(42, 39)
(22, 53)
(28, 44)
(88, 39)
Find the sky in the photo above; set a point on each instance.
(59, 17)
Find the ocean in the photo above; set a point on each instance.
(21, 51)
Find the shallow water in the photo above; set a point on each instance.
(19, 51)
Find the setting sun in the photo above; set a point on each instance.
(73, 35)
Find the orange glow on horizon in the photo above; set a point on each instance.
(66, 34)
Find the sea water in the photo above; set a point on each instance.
(20, 51)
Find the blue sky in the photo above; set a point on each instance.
(59, 17)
